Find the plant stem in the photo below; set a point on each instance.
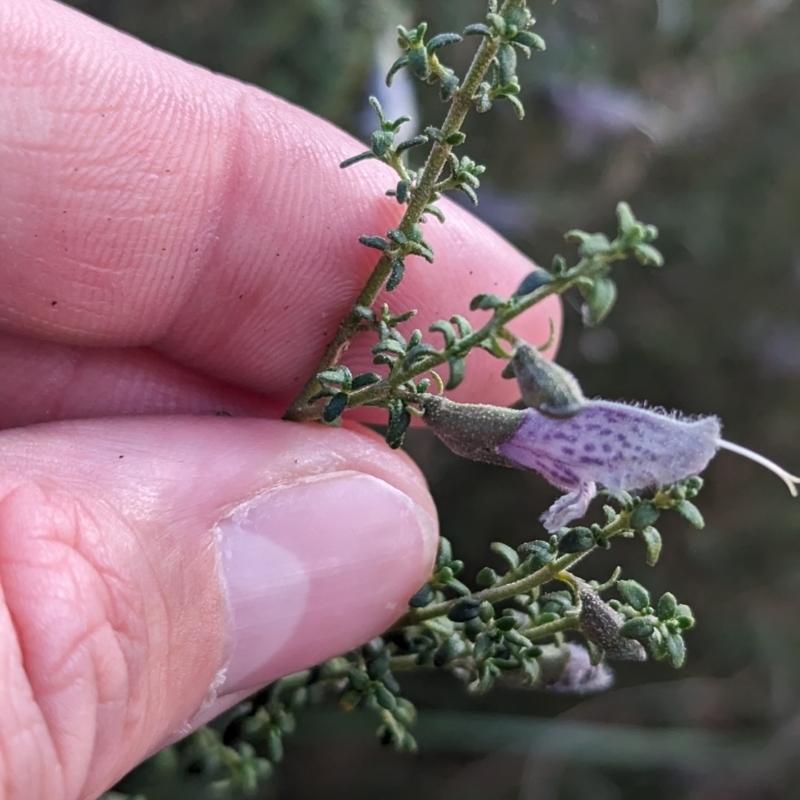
(494, 594)
(389, 386)
(420, 198)
(550, 628)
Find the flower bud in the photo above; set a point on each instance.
(544, 385)
(472, 431)
(600, 624)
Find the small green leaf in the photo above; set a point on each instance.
(636, 628)
(508, 554)
(399, 420)
(462, 323)
(485, 302)
(506, 624)
(396, 275)
(403, 191)
(650, 233)
(533, 281)
(506, 59)
(446, 329)
(667, 606)
(625, 218)
(482, 99)
(385, 698)
(382, 142)
(397, 236)
(599, 299)
(376, 242)
(274, 742)
(558, 266)
(389, 346)
(464, 610)
(448, 86)
(425, 596)
(365, 379)
(418, 352)
(441, 40)
(676, 650)
(477, 29)
(644, 515)
(458, 369)
(435, 133)
(516, 104)
(590, 244)
(516, 638)
(456, 139)
(449, 649)
(419, 63)
(435, 211)
(348, 162)
(487, 612)
(338, 375)
(577, 540)
(652, 541)
(634, 594)
(336, 405)
(497, 22)
(531, 668)
(484, 647)
(529, 39)
(421, 249)
(648, 255)
(416, 141)
(469, 192)
(691, 513)
(486, 577)
(444, 552)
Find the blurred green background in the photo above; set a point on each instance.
(691, 112)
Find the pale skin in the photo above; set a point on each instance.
(162, 258)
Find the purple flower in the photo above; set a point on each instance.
(617, 446)
(620, 447)
(579, 675)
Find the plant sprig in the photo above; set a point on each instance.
(513, 626)
(507, 29)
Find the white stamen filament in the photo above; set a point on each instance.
(792, 481)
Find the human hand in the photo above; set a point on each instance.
(176, 243)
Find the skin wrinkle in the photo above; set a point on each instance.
(218, 213)
(42, 718)
(56, 673)
(25, 749)
(121, 139)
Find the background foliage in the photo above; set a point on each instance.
(689, 111)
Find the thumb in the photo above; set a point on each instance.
(153, 567)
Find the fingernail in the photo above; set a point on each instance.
(317, 568)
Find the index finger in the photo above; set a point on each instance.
(149, 202)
